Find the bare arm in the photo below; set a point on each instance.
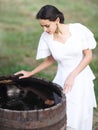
(85, 61)
(45, 64)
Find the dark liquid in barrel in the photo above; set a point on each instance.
(13, 98)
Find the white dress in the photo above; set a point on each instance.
(81, 99)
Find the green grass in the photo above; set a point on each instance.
(20, 32)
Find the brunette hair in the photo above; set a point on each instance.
(51, 13)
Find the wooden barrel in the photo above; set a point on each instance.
(52, 118)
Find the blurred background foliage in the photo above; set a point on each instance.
(20, 32)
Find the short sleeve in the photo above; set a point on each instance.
(87, 37)
(43, 49)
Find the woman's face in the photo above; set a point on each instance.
(48, 26)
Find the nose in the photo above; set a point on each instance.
(45, 29)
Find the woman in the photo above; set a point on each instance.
(70, 45)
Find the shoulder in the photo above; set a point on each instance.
(45, 39)
(78, 25)
(80, 28)
(46, 36)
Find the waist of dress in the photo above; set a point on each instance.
(85, 73)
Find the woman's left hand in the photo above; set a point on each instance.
(68, 84)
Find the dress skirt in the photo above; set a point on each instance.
(80, 104)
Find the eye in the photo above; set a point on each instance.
(47, 26)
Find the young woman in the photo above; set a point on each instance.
(70, 45)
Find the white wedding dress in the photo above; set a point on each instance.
(81, 99)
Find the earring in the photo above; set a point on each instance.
(57, 29)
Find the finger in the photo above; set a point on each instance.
(67, 88)
(20, 72)
(17, 73)
(20, 77)
(24, 76)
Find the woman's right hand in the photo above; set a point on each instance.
(25, 74)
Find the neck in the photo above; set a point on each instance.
(62, 29)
